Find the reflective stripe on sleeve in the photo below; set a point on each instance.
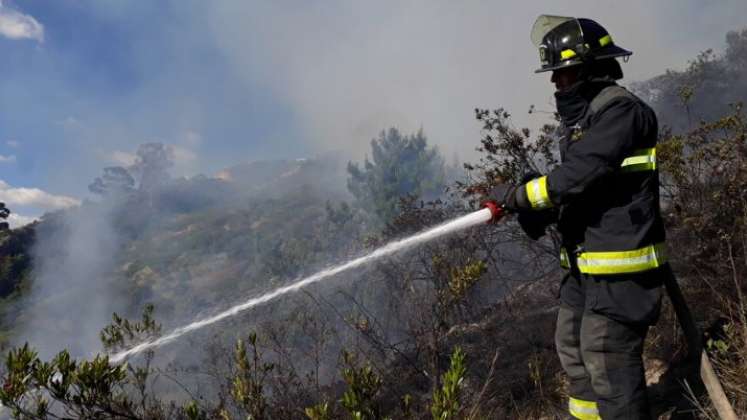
(640, 160)
(537, 193)
(621, 262)
(583, 410)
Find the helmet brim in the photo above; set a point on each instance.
(611, 51)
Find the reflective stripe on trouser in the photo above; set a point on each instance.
(618, 262)
(584, 410)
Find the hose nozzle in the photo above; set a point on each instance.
(496, 210)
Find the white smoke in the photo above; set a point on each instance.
(72, 295)
(350, 70)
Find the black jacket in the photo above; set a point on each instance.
(603, 205)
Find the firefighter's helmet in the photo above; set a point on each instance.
(568, 41)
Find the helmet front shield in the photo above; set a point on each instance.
(544, 24)
(560, 41)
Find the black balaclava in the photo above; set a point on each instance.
(573, 102)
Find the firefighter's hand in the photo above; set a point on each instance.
(504, 195)
(535, 223)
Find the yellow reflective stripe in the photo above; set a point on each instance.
(583, 410)
(537, 193)
(641, 160)
(564, 261)
(605, 40)
(566, 54)
(621, 262)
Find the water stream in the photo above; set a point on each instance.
(464, 222)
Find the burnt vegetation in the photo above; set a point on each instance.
(457, 328)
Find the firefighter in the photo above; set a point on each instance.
(604, 197)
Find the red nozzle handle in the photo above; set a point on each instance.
(495, 210)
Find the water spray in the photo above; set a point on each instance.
(491, 212)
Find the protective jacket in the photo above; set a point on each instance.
(606, 188)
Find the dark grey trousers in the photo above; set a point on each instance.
(602, 324)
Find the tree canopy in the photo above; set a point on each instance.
(704, 90)
(152, 165)
(400, 165)
(115, 180)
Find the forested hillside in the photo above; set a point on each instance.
(458, 328)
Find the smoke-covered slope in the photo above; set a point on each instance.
(188, 246)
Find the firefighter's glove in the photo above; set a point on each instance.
(504, 195)
(535, 223)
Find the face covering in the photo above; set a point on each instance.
(573, 102)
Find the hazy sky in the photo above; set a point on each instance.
(85, 81)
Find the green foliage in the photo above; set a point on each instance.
(363, 388)
(463, 278)
(406, 407)
(247, 388)
(446, 403)
(718, 346)
(400, 166)
(4, 213)
(192, 411)
(87, 389)
(90, 389)
(15, 259)
(320, 411)
(123, 333)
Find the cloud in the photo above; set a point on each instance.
(34, 197)
(182, 155)
(7, 159)
(192, 138)
(185, 160)
(18, 220)
(13, 143)
(16, 25)
(122, 158)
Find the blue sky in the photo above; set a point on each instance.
(85, 81)
(107, 77)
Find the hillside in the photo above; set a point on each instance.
(461, 327)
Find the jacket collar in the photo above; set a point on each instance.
(573, 103)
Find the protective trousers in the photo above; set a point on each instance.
(602, 324)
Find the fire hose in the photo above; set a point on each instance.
(696, 352)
